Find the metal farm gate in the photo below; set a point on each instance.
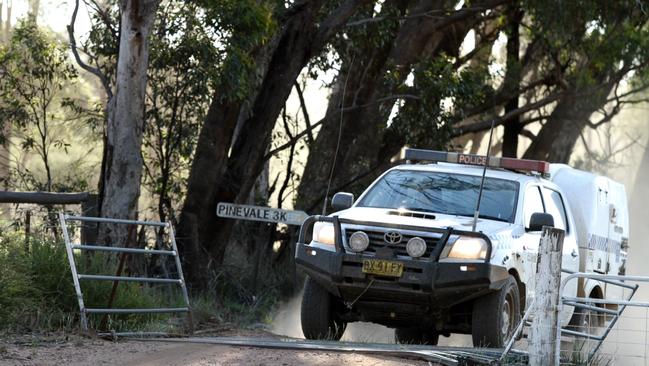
(77, 277)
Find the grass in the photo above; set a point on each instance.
(37, 293)
(579, 355)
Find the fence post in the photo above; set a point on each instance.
(543, 335)
(90, 208)
(28, 229)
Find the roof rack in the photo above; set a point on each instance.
(542, 167)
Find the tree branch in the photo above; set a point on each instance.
(289, 164)
(305, 113)
(528, 134)
(294, 140)
(335, 21)
(503, 96)
(434, 14)
(486, 125)
(73, 46)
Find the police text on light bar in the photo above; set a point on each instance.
(480, 160)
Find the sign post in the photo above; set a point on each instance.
(260, 213)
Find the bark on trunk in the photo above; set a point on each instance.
(123, 165)
(512, 82)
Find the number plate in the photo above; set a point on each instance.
(382, 267)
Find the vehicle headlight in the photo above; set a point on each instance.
(466, 247)
(416, 247)
(359, 241)
(323, 232)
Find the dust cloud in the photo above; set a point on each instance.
(286, 321)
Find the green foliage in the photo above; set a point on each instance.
(438, 96)
(35, 285)
(36, 75)
(182, 77)
(246, 26)
(34, 68)
(591, 40)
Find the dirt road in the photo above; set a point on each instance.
(75, 350)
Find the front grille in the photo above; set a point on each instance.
(399, 249)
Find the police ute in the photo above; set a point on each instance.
(412, 254)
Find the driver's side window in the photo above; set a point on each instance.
(533, 203)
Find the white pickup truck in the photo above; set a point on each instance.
(405, 254)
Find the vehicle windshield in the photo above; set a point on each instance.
(444, 193)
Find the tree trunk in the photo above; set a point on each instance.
(201, 233)
(34, 7)
(123, 165)
(512, 82)
(2, 35)
(7, 30)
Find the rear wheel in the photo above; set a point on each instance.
(320, 319)
(496, 316)
(416, 335)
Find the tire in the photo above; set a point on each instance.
(496, 316)
(416, 335)
(320, 320)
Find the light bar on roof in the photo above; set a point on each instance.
(480, 160)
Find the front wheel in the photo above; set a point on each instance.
(320, 320)
(496, 316)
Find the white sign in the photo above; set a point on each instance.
(260, 213)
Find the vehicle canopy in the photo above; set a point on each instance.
(598, 204)
(599, 208)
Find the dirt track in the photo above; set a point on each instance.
(57, 350)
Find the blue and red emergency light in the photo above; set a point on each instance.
(542, 167)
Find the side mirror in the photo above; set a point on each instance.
(539, 220)
(342, 201)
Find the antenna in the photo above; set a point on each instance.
(340, 132)
(484, 172)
